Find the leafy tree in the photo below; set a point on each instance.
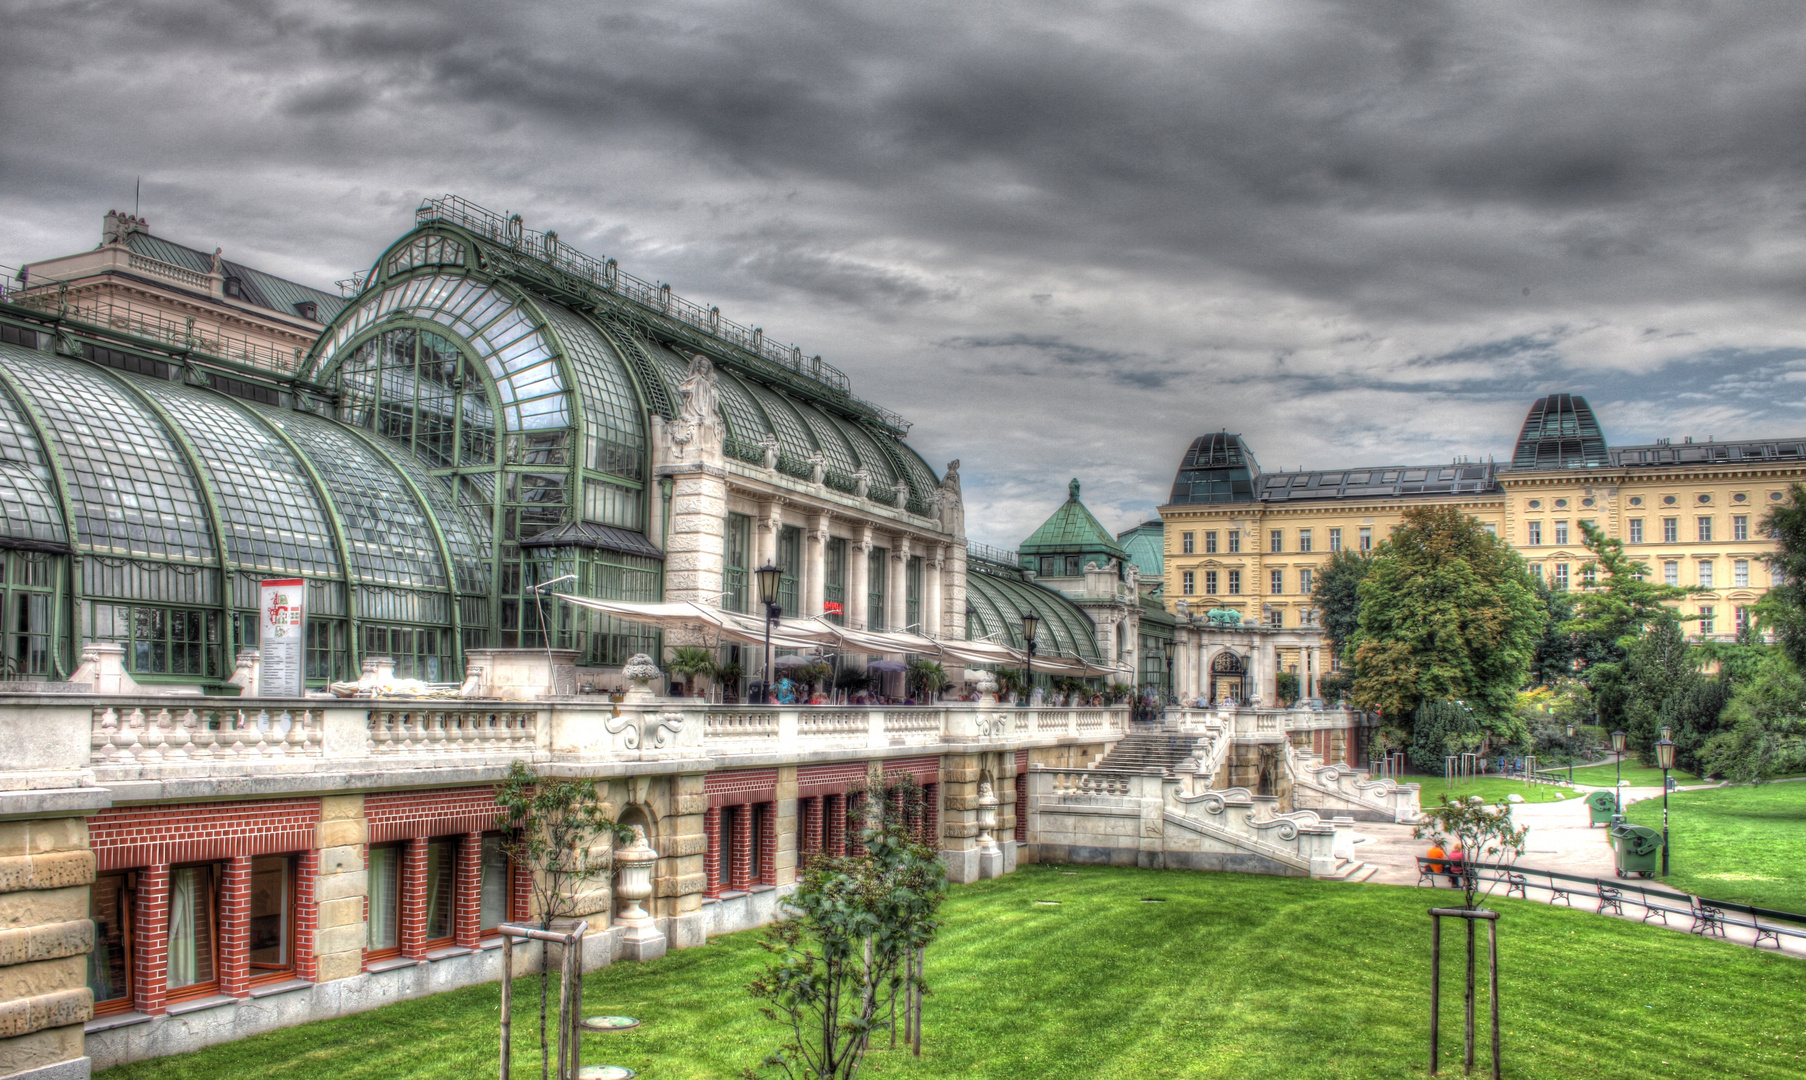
(853, 941)
(1624, 602)
(1557, 648)
(1695, 713)
(927, 678)
(1479, 833)
(1763, 729)
(555, 830)
(1286, 686)
(1441, 728)
(1447, 612)
(1660, 665)
(1784, 608)
(1337, 595)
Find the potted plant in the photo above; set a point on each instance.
(926, 679)
(729, 676)
(693, 662)
(1009, 683)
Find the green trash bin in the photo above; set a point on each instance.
(1602, 805)
(1639, 848)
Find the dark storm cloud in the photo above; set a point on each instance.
(1062, 237)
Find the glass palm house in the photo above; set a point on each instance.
(473, 423)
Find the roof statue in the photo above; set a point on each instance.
(950, 482)
(1223, 617)
(699, 396)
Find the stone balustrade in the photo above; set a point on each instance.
(452, 731)
(170, 732)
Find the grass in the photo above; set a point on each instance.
(1490, 788)
(1736, 843)
(1606, 775)
(1231, 976)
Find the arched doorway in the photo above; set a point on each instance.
(1228, 678)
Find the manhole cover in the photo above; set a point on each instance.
(605, 1072)
(610, 1023)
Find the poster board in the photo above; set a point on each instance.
(282, 617)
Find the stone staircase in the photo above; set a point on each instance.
(1143, 750)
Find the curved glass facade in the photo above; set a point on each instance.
(996, 603)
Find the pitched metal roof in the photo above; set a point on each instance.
(1072, 531)
(1388, 481)
(1146, 547)
(255, 286)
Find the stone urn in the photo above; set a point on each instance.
(633, 876)
(987, 688)
(640, 671)
(987, 816)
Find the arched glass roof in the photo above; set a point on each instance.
(999, 603)
(611, 407)
(499, 326)
(29, 514)
(133, 492)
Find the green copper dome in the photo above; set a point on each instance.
(1068, 540)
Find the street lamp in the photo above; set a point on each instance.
(770, 579)
(1570, 755)
(1031, 622)
(1169, 647)
(1665, 758)
(1618, 752)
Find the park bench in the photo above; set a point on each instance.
(1659, 903)
(1610, 899)
(1770, 926)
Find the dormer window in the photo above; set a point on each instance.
(234, 288)
(309, 310)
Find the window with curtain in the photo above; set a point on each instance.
(193, 894)
(493, 901)
(110, 964)
(382, 932)
(441, 888)
(272, 882)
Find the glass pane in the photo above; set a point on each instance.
(269, 942)
(191, 913)
(385, 898)
(109, 966)
(441, 887)
(494, 902)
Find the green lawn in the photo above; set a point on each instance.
(1490, 788)
(1742, 844)
(1605, 776)
(1231, 976)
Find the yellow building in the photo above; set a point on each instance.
(1240, 539)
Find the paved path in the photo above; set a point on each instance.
(1559, 839)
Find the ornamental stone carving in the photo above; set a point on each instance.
(697, 425)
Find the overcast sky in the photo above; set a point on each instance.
(1063, 238)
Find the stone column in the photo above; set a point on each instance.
(711, 859)
(340, 887)
(740, 858)
(413, 897)
(783, 827)
(696, 546)
(467, 920)
(1312, 672)
(896, 599)
(959, 818)
(765, 534)
(46, 869)
(678, 880)
(932, 622)
(859, 583)
(815, 559)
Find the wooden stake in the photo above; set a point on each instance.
(564, 1013)
(1435, 986)
(507, 1003)
(1467, 1061)
(1492, 941)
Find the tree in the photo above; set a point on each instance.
(1447, 612)
(926, 678)
(692, 661)
(1286, 687)
(1624, 603)
(1763, 727)
(1659, 665)
(1441, 728)
(554, 829)
(1784, 608)
(1479, 833)
(1337, 595)
(852, 943)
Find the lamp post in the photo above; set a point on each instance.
(1169, 647)
(1570, 755)
(1665, 758)
(770, 578)
(1618, 752)
(1031, 622)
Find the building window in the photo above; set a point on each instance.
(1636, 530)
(1671, 573)
(1050, 565)
(1740, 527)
(1278, 581)
(1210, 543)
(1210, 583)
(1671, 530)
(1366, 539)
(1491, 529)
(834, 581)
(1777, 577)
(1536, 571)
(1072, 566)
(876, 563)
(1705, 530)
(1187, 582)
(1307, 617)
(1304, 541)
(1335, 540)
(193, 943)
(1705, 575)
(110, 902)
(272, 931)
(1276, 540)
(1706, 618)
(1740, 574)
(1533, 533)
(1561, 577)
(1305, 580)
(1235, 540)
(1589, 574)
(1742, 620)
(441, 891)
(382, 931)
(1276, 618)
(1561, 532)
(734, 567)
(492, 904)
(1235, 583)
(1185, 542)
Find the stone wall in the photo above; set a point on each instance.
(45, 938)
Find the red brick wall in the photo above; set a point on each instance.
(837, 824)
(150, 927)
(468, 918)
(812, 825)
(740, 855)
(307, 914)
(829, 779)
(740, 787)
(768, 843)
(1022, 808)
(931, 814)
(923, 770)
(128, 837)
(407, 815)
(413, 897)
(235, 927)
(711, 857)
